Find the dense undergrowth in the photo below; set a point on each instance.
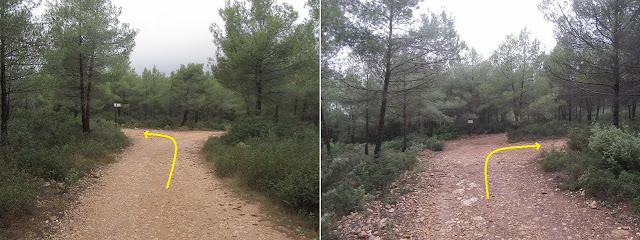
(278, 159)
(48, 146)
(604, 161)
(528, 131)
(168, 122)
(349, 176)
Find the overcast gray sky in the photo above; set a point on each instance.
(176, 32)
(484, 24)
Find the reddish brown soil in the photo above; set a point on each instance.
(524, 203)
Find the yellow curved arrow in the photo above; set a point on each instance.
(486, 162)
(175, 151)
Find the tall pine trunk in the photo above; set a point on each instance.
(366, 131)
(616, 75)
(86, 126)
(325, 132)
(385, 87)
(184, 117)
(3, 89)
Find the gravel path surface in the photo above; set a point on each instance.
(447, 200)
(524, 202)
(129, 199)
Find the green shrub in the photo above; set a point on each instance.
(17, 191)
(434, 144)
(250, 127)
(554, 161)
(377, 173)
(284, 167)
(536, 131)
(635, 205)
(579, 138)
(599, 183)
(490, 128)
(395, 144)
(606, 165)
(619, 150)
(628, 185)
(340, 167)
(343, 199)
(446, 132)
(44, 144)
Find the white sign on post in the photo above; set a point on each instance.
(470, 121)
(117, 105)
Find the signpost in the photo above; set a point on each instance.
(469, 122)
(115, 107)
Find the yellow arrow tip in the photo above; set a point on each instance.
(537, 146)
(145, 134)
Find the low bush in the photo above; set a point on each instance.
(618, 150)
(447, 132)
(377, 173)
(17, 190)
(47, 145)
(606, 165)
(395, 144)
(348, 176)
(272, 159)
(579, 138)
(344, 199)
(434, 144)
(489, 128)
(536, 131)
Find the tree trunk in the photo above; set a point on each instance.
(275, 117)
(83, 109)
(352, 126)
(570, 111)
(366, 131)
(88, 110)
(597, 109)
(304, 110)
(295, 106)
(404, 126)
(589, 109)
(579, 113)
(325, 132)
(86, 126)
(195, 116)
(258, 90)
(634, 104)
(385, 87)
(3, 88)
(184, 117)
(404, 118)
(616, 74)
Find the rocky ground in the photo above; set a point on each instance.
(448, 201)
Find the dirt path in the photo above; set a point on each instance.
(524, 202)
(130, 200)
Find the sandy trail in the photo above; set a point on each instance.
(524, 203)
(130, 200)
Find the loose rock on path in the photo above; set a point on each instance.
(448, 200)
